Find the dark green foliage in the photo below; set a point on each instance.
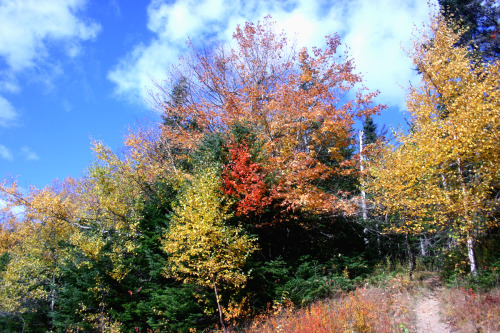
(180, 92)
(144, 298)
(148, 299)
(11, 323)
(306, 261)
(170, 308)
(30, 322)
(313, 280)
(176, 98)
(455, 267)
(4, 260)
(306, 279)
(212, 150)
(482, 19)
(214, 147)
(370, 130)
(76, 293)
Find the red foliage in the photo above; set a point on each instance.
(244, 180)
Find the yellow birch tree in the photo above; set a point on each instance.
(203, 248)
(446, 171)
(103, 208)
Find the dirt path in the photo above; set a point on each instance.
(428, 315)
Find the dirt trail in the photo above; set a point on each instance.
(428, 315)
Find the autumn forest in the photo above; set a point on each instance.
(266, 184)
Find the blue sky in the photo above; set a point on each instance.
(72, 70)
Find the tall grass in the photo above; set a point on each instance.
(363, 310)
(469, 311)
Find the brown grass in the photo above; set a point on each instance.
(363, 310)
(468, 311)
(384, 309)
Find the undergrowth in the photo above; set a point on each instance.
(470, 311)
(362, 310)
(382, 302)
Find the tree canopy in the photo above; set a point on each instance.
(301, 104)
(445, 172)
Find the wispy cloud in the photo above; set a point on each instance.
(115, 7)
(5, 153)
(373, 30)
(29, 154)
(28, 30)
(8, 116)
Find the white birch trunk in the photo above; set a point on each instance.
(471, 254)
(423, 246)
(363, 194)
(361, 168)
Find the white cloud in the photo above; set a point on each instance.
(373, 30)
(27, 29)
(29, 25)
(377, 32)
(8, 116)
(5, 153)
(29, 154)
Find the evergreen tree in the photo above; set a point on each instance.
(481, 19)
(370, 130)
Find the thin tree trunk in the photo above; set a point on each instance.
(363, 194)
(379, 245)
(469, 220)
(221, 316)
(410, 257)
(361, 168)
(52, 294)
(423, 246)
(471, 254)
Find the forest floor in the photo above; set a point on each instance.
(400, 305)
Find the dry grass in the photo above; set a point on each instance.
(363, 310)
(384, 309)
(468, 311)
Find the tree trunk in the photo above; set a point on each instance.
(361, 169)
(363, 194)
(469, 219)
(423, 246)
(52, 294)
(221, 316)
(379, 243)
(410, 257)
(471, 254)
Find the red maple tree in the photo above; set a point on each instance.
(244, 180)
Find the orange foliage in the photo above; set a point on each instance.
(297, 103)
